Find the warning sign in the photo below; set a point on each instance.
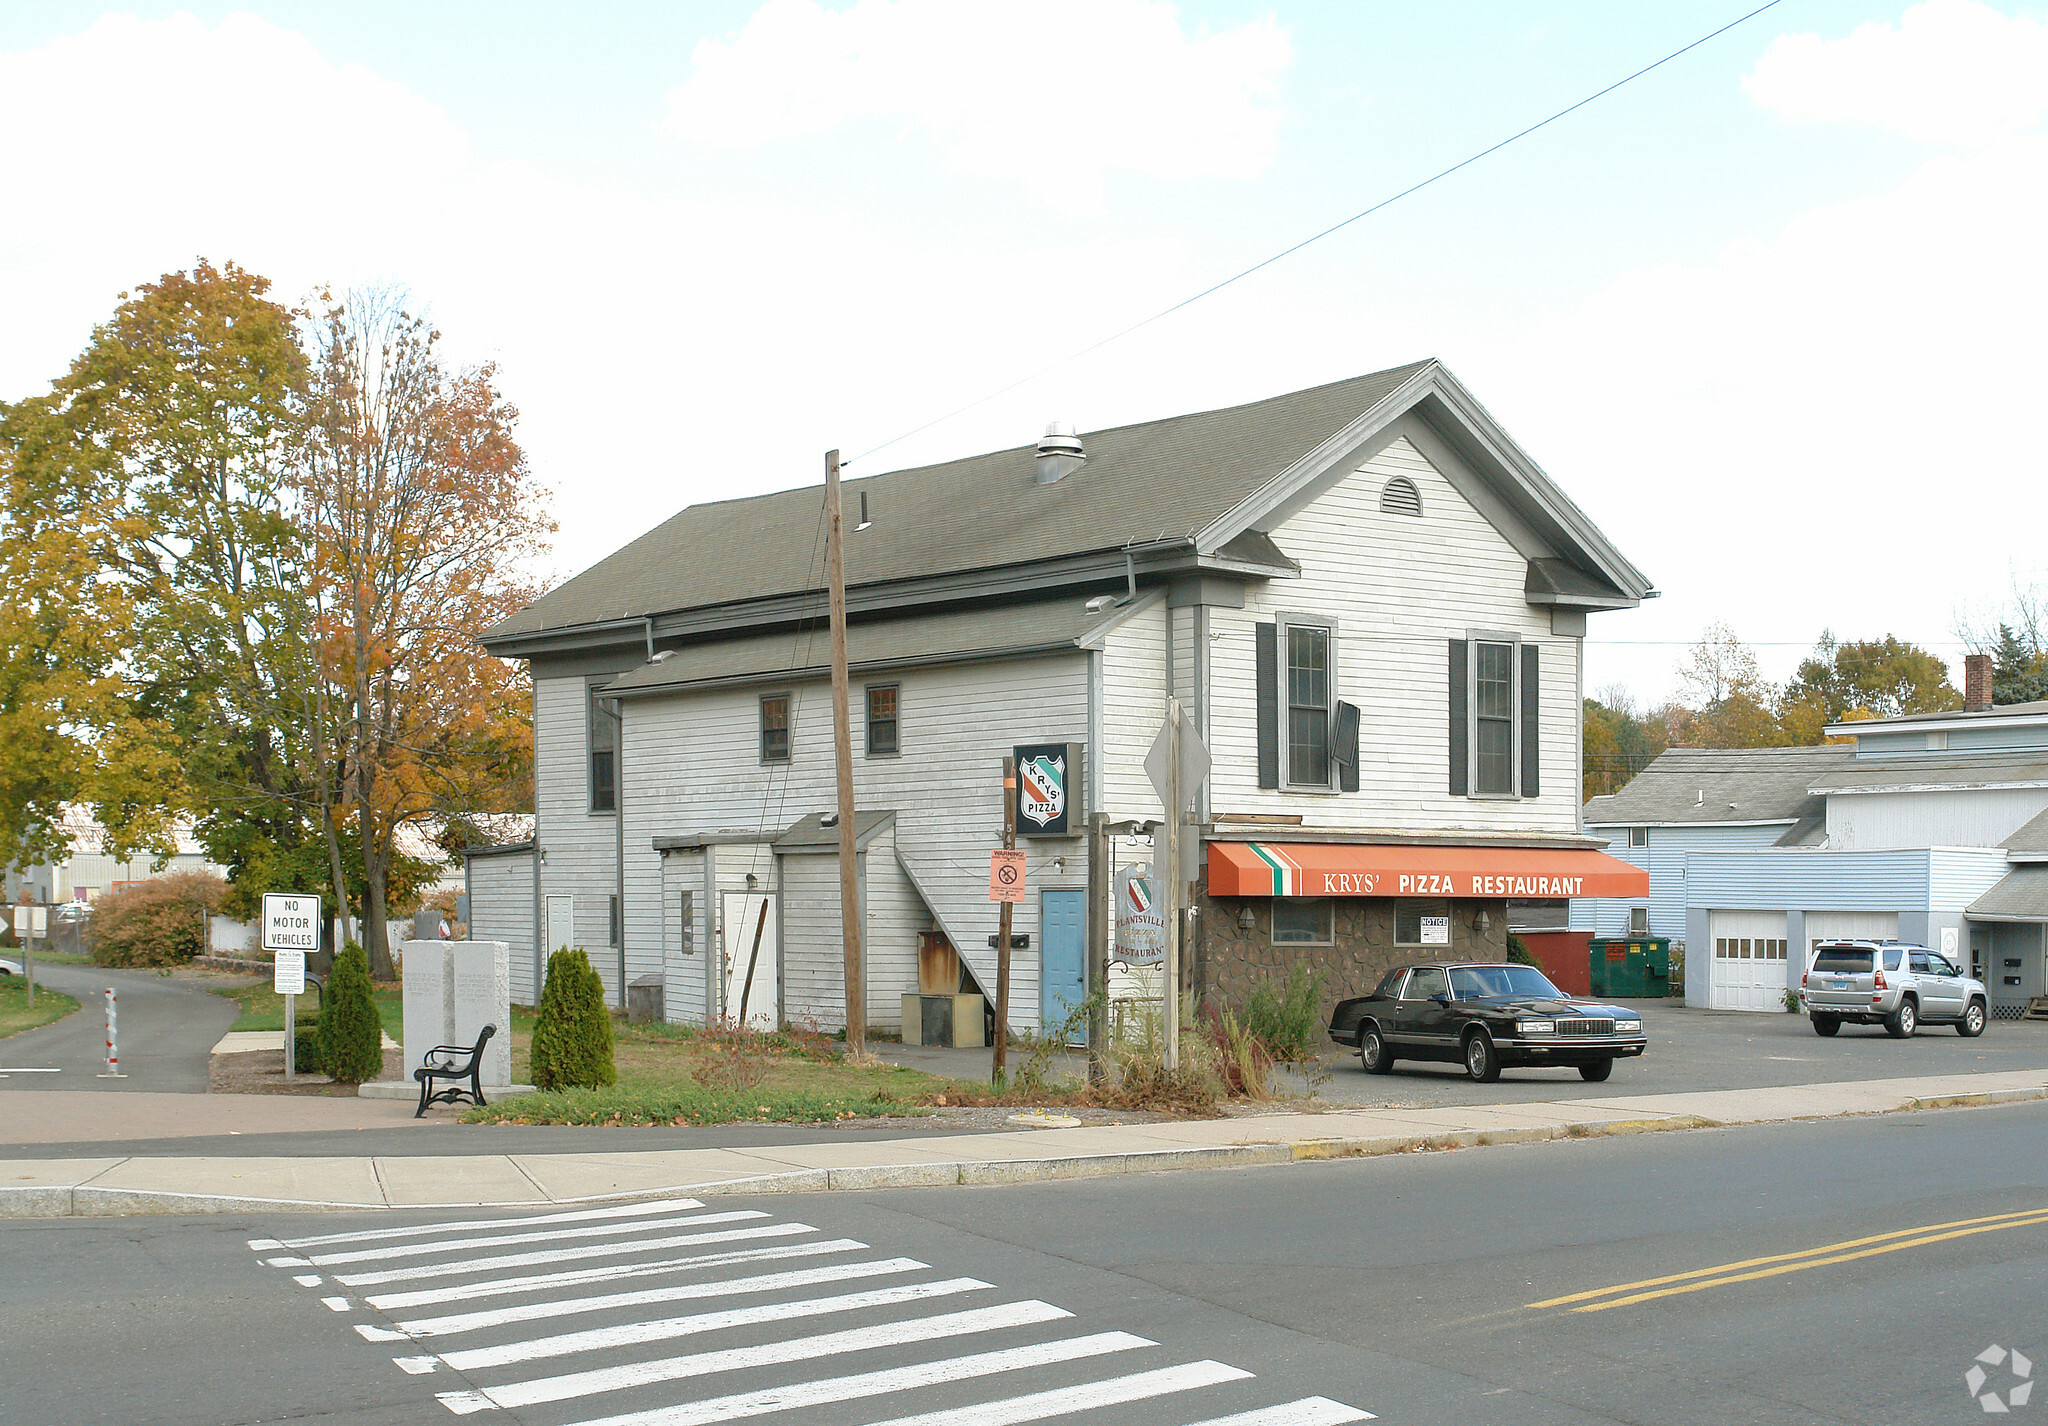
(1006, 875)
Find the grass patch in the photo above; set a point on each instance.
(263, 1008)
(680, 1074)
(51, 958)
(15, 1014)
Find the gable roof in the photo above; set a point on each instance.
(2030, 842)
(1199, 478)
(1708, 786)
(1995, 768)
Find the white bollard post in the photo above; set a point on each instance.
(113, 1069)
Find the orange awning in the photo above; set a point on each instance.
(1346, 869)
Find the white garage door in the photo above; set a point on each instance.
(1749, 960)
(1849, 925)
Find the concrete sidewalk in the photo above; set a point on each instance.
(166, 1184)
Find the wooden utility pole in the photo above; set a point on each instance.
(999, 1066)
(1099, 918)
(842, 755)
(1169, 880)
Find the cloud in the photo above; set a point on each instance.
(1055, 95)
(1950, 72)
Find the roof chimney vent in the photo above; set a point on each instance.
(1976, 682)
(1059, 453)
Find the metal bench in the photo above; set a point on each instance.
(453, 1062)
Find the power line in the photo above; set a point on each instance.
(1337, 227)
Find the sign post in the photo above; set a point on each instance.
(31, 922)
(291, 927)
(1005, 886)
(1176, 765)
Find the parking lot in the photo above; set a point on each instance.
(1708, 1049)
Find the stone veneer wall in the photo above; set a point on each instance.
(1230, 960)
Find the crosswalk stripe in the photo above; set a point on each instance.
(668, 1328)
(1309, 1411)
(568, 1307)
(870, 1384)
(563, 1255)
(513, 1395)
(611, 1272)
(421, 1230)
(550, 1235)
(1062, 1401)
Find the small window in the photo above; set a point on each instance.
(1493, 705)
(1298, 922)
(1721, 948)
(602, 732)
(775, 728)
(686, 922)
(1639, 920)
(612, 933)
(1390, 987)
(1639, 836)
(1426, 981)
(1308, 706)
(1893, 959)
(883, 701)
(1422, 923)
(1400, 497)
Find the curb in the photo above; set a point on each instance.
(86, 1201)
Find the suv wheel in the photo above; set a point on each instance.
(1372, 1051)
(1903, 1021)
(1826, 1025)
(1972, 1023)
(1482, 1062)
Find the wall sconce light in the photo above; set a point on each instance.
(1059, 863)
(1482, 923)
(543, 856)
(754, 881)
(1246, 921)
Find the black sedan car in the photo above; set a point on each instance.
(1484, 1016)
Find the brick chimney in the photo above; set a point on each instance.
(1976, 682)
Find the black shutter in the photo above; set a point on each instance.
(1461, 757)
(1268, 646)
(1344, 746)
(1532, 753)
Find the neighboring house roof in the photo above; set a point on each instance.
(1201, 482)
(2029, 843)
(1959, 717)
(2021, 896)
(950, 636)
(1724, 786)
(89, 839)
(1936, 770)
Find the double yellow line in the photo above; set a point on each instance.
(1750, 1269)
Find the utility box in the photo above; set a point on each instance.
(643, 999)
(955, 1021)
(1637, 968)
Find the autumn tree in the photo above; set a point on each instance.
(1869, 678)
(1620, 740)
(422, 513)
(1731, 703)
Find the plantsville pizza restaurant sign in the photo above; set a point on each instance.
(1342, 869)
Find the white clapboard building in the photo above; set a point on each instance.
(1369, 600)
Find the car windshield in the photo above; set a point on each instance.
(1843, 959)
(1479, 982)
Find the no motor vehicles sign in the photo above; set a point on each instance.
(290, 923)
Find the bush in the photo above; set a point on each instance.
(572, 1036)
(154, 923)
(1287, 1021)
(351, 1033)
(306, 1051)
(1519, 954)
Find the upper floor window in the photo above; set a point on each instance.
(1639, 836)
(1400, 497)
(602, 736)
(884, 728)
(775, 728)
(1308, 706)
(1494, 705)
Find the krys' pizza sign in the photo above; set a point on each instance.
(1049, 782)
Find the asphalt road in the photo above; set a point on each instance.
(166, 1029)
(1417, 1287)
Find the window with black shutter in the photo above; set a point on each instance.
(1495, 727)
(1308, 706)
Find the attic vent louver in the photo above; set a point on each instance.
(1059, 453)
(1400, 497)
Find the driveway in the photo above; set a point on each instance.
(1708, 1049)
(167, 1029)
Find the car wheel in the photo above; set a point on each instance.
(1972, 1023)
(1372, 1051)
(1597, 1071)
(1903, 1021)
(1826, 1025)
(1482, 1062)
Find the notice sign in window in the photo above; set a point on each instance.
(1436, 930)
(290, 923)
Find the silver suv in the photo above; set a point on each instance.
(1887, 983)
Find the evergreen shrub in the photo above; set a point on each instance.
(572, 1035)
(351, 1033)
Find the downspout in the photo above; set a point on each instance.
(619, 832)
(711, 951)
(539, 929)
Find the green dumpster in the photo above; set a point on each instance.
(1635, 968)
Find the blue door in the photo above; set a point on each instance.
(1062, 958)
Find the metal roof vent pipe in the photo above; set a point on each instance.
(1059, 453)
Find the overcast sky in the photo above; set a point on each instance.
(1773, 314)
